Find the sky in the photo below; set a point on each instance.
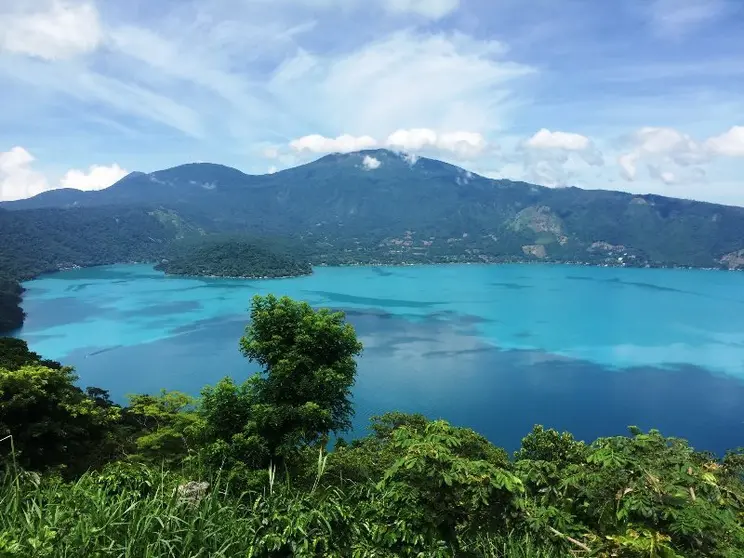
(645, 96)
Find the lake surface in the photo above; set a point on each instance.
(495, 348)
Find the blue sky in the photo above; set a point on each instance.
(635, 95)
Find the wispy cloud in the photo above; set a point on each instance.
(568, 92)
(675, 18)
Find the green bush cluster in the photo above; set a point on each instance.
(247, 470)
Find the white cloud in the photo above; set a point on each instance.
(661, 148)
(315, 143)
(729, 144)
(272, 169)
(545, 139)
(555, 158)
(432, 9)
(97, 177)
(55, 30)
(628, 165)
(18, 179)
(404, 81)
(270, 153)
(371, 163)
(462, 144)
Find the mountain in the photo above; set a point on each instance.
(422, 209)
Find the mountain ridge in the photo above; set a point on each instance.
(402, 160)
(402, 209)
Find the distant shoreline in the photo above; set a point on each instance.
(400, 264)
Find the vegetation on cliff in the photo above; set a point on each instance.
(245, 470)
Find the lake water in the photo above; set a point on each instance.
(495, 348)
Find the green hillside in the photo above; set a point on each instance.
(233, 256)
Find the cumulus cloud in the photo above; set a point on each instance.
(462, 144)
(555, 158)
(371, 163)
(315, 143)
(628, 165)
(97, 177)
(19, 180)
(729, 144)
(661, 148)
(50, 29)
(545, 139)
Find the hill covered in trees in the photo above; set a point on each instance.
(246, 470)
(234, 256)
(420, 210)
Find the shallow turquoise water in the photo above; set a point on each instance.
(496, 348)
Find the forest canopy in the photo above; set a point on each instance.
(234, 256)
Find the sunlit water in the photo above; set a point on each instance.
(495, 348)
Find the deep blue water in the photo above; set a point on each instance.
(495, 348)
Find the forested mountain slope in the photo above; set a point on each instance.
(426, 210)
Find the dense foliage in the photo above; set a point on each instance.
(234, 256)
(244, 470)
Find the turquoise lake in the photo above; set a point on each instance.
(494, 348)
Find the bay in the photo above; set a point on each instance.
(495, 348)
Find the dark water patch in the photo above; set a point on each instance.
(227, 284)
(163, 309)
(512, 286)
(78, 287)
(352, 313)
(45, 313)
(650, 286)
(104, 350)
(380, 302)
(503, 393)
(460, 353)
(382, 272)
(451, 315)
(208, 323)
(523, 334)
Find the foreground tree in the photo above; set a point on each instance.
(301, 395)
(53, 423)
(14, 353)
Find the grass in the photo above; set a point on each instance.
(136, 513)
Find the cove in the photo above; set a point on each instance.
(494, 348)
